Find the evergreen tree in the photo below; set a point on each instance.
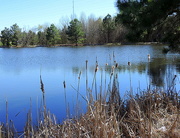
(64, 37)
(32, 38)
(75, 32)
(41, 35)
(151, 20)
(24, 39)
(42, 38)
(6, 37)
(16, 32)
(53, 35)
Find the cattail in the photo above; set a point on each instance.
(86, 64)
(116, 65)
(96, 62)
(79, 75)
(96, 69)
(42, 85)
(129, 63)
(112, 70)
(64, 83)
(149, 56)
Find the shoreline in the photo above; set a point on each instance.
(105, 44)
(165, 50)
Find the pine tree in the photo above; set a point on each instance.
(75, 32)
(53, 35)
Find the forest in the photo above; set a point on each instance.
(137, 21)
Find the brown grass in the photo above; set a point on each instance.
(107, 120)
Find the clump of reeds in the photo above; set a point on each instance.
(136, 117)
(8, 129)
(153, 113)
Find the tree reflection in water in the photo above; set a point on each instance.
(156, 71)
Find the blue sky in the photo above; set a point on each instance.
(31, 13)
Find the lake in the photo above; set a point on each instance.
(20, 70)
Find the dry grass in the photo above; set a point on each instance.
(131, 118)
(104, 120)
(150, 115)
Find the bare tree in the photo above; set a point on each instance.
(94, 30)
(84, 23)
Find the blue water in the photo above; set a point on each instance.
(20, 70)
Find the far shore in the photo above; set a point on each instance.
(106, 44)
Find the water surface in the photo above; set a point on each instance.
(20, 70)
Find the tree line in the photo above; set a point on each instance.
(83, 31)
(137, 21)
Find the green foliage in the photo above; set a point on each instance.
(64, 36)
(129, 17)
(16, 31)
(53, 35)
(91, 31)
(10, 36)
(150, 20)
(28, 38)
(6, 37)
(42, 38)
(32, 38)
(75, 32)
(170, 31)
(24, 39)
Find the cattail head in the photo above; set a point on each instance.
(64, 83)
(116, 65)
(42, 85)
(112, 69)
(79, 75)
(96, 69)
(129, 63)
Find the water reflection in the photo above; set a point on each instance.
(177, 65)
(156, 71)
